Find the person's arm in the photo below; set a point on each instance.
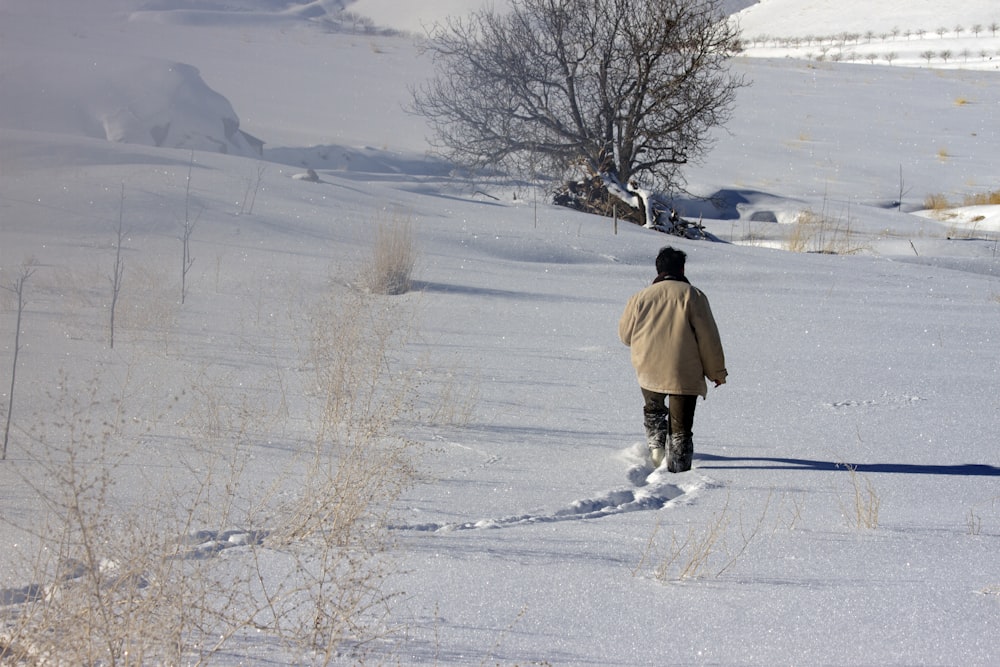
(627, 323)
(713, 359)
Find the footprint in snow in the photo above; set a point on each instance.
(650, 490)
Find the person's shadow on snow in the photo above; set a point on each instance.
(774, 463)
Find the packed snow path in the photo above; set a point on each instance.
(649, 490)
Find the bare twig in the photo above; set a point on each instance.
(119, 270)
(17, 287)
(189, 223)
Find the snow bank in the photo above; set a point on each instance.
(968, 219)
(139, 101)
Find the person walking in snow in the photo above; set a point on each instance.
(675, 345)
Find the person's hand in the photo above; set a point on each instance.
(719, 383)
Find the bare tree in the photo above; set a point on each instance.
(627, 89)
(17, 287)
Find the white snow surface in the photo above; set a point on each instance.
(534, 532)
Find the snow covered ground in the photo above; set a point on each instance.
(844, 507)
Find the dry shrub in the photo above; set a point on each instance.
(709, 550)
(802, 233)
(112, 581)
(939, 203)
(936, 202)
(333, 534)
(822, 233)
(983, 199)
(148, 301)
(106, 585)
(863, 511)
(688, 556)
(393, 256)
(452, 402)
(974, 523)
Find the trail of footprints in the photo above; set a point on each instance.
(648, 489)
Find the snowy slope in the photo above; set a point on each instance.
(865, 381)
(922, 33)
(798, 18)
(418, 17)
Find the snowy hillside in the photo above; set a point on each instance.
(920, 33)
(274, 465)
(798, 18)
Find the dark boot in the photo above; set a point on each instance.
(680, 453)
(657, 434)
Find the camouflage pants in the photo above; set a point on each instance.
(676, 409)
(668, 420)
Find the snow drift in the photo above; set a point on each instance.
(141, 101)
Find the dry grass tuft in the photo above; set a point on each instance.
(983, 199)
(822, 233)
(393, 257)
(936, 202)
(710, 550)
(863, 512)
(800, 238)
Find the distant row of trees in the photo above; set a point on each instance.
(947, 54)
(869, 36)
(890, 57)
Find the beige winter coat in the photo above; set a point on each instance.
(674, 339)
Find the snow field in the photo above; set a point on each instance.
(843, 508)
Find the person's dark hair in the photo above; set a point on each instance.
(670, 261)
